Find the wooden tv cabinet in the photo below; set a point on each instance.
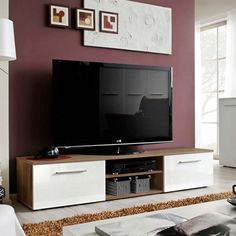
(80, 179)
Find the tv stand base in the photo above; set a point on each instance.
(175, 169)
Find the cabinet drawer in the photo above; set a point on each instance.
(68, 183)
(188, 171)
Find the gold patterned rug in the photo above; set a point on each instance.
(54, 228)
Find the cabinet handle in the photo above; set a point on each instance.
(186, 162)
(70, 172)
(229, 105)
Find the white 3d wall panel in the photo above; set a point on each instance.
(141, 27)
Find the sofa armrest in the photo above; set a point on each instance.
(9, 224)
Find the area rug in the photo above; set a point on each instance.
(54, 228)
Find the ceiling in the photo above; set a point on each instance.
(212, 10)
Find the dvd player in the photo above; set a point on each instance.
(131, 165)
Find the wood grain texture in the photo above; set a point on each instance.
(151, 153)
(24, 183)
(110, 176)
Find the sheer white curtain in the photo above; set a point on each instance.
(230, 79)
(198, 84)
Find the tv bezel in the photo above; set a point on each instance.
(119, 142)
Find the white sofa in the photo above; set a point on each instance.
(9, 224)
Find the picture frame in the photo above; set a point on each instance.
(85, 19)
(59, 16)
(109, 22)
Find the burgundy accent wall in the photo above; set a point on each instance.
(30, 75)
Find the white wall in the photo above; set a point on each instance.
(211, 10)
(4, 111)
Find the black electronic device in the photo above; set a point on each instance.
(130, 165)
(49, 152)
(99, 105)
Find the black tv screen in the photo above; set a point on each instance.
(104, 104)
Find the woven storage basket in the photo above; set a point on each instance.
(118, 187)
(140, 185)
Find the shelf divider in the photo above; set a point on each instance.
(110, 176)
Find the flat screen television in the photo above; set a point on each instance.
(110, 105)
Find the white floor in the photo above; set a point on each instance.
(224, 178)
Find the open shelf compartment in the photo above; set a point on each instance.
(156, 178)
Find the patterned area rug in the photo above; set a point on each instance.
(54, 228)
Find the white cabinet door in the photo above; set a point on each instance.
(227, 131)
(68, 183)
(188, 171)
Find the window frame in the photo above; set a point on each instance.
(217, 91)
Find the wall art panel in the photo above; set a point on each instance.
(141, 27)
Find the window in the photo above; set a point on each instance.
(213, 59)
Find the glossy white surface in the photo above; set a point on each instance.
(188, 171)
(224, 178)
(68, 184)
(227, 131)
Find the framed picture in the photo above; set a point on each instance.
(85, 19)
(59, 16)
(109, 22)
